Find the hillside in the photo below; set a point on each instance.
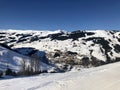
(60, 51)
(83, 48)
(10, 59)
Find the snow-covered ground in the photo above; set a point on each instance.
(105, 77)
(13, 60)
(101, 44)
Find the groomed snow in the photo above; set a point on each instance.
(105, 77)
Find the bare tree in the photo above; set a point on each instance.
(35, 63)
(32, 68)
(23, 67)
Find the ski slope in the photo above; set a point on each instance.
(105, 77)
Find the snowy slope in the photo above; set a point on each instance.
(100, 78)
(13, 60)
(100, 45)
(10, 59)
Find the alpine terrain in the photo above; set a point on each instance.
(50, 53)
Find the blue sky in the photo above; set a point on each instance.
(60, 14)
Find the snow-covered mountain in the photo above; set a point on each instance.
(11, 59)
(85, 48)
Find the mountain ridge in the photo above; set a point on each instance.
(92, 47)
